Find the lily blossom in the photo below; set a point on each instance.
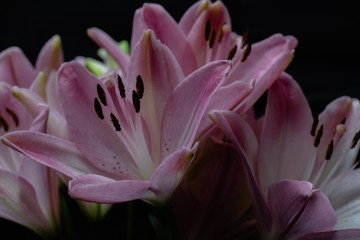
(129, 133)
(28, 190)
(203, 35)
(295, 146)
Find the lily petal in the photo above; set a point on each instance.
(106, 42)
(348, 234)
(287, 111)
(15, 68)
(170, 172)
(51, 56)
(51, 151)
(100, 189)
(298, 209)
(187, 105)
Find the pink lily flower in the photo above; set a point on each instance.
(294, 145)
(203, 35)
(28, 190)
(128, 135)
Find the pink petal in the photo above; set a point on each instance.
(187, 105)
(170, 172)
(222, 101)
(96, 188)
(105, 41)
(266, 61)
(298, 209)
(19, 204)
(160, 73)
(244, 139)
(51, 56)
(348, 234)
(51, 151)
(15, 68)
(96, 138)
(345, 198)
(187, 20)
(286, 144)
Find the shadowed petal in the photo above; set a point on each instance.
(96, 188)
(348, 234)
(170, 172)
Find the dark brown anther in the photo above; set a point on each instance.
(207, 30)
(343, 121)
(121, 87)
(329, 150)
(355, 139)
(101, 94)
(13, 116)
(212, 38)
(220, 33)
(318, 136)
(246, 52)
(139, 86)
(98, 108)
(245, 39)
(232, 52)
(136, 101)
(115, 122)
(314, 125)
(4, 123)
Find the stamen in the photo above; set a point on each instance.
(246, 52)
(314, 125)
(4, 123)
(232, 52)
(212, 38)
(220, 34)
(318, 136)
(101, 94)
(13, 115)
(121, 87)
(343, 121)
(355, 139)
(98, 108)
(207, 30)
(136, 101)
(329, 150)
(115, 122)
(139, 86)
(245, 39)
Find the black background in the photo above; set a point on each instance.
(326, 61)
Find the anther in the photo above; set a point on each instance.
(4, 123)
(115, 122)
(139, 86)
(98, 108)
(207, 30)
(121, 87)
(318, 136)
(220, 34)
(314, 125)
(232, 52)
(245, 38)
(246, 52)
(212, 38)
(13, 116)
(329, 150)
(101, 94)
(136, 101)
(355, 139)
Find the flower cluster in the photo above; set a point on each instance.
(169, 119)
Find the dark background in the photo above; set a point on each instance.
(326, 61)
